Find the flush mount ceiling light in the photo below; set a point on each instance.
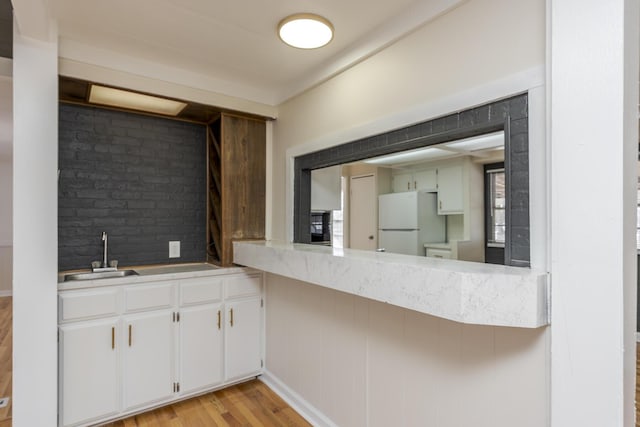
(305, 31)
(134, 101)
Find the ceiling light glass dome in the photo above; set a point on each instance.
(305, 31)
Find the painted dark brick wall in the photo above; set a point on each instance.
(141, 179)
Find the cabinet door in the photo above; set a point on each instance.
(450, 190)
(243, 344)
(148, 358)
(200, 347)
(88, 358)
(402, 182)
(425, 180)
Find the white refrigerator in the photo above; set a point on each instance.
(408, 220)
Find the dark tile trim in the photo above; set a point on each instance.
(510, 115)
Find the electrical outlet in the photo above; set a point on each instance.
(174, 249)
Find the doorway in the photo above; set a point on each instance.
(363, 218)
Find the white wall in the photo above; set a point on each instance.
(593, 133)
(6, 202)
(365, 363)
(35, 233)
(468, 48)
(361, 362)
(6, 225)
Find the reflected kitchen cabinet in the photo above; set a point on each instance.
(402, 182)
(450, 190)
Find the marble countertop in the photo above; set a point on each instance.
(150, 274)
(467, 292)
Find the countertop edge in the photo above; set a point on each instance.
(145, 278)
(464, 292)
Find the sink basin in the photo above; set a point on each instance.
(99, 275)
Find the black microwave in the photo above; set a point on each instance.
(321, 227)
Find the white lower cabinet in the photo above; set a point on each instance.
(88, 354)
(148, 358)
(201, 347)
(242, 338)
(167, 340)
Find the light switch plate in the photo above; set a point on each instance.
(174, 249)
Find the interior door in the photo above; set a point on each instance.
(363, 213)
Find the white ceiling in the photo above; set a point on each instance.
(224, 46)
(234, 42)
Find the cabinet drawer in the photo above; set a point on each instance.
(140, 297)
(200, 291)
(438, 253)
(242, 286)
(87, 304)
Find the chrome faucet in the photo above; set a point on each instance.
(105, 264)
(97, 266)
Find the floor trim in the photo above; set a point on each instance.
(6, 293)
(297, 402)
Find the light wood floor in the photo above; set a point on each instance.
(6, 343)
(248, 404)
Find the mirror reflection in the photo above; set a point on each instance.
(443, 201)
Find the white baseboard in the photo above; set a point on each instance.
(297, 402)
(6, 293)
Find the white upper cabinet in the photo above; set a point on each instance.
(450, 190)
(426, 180)
(402, 182)
(447, 180)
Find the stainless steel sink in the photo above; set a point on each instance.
(99, 275)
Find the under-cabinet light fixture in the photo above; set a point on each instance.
(305, 31)
(467, 146)
(134, 101)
